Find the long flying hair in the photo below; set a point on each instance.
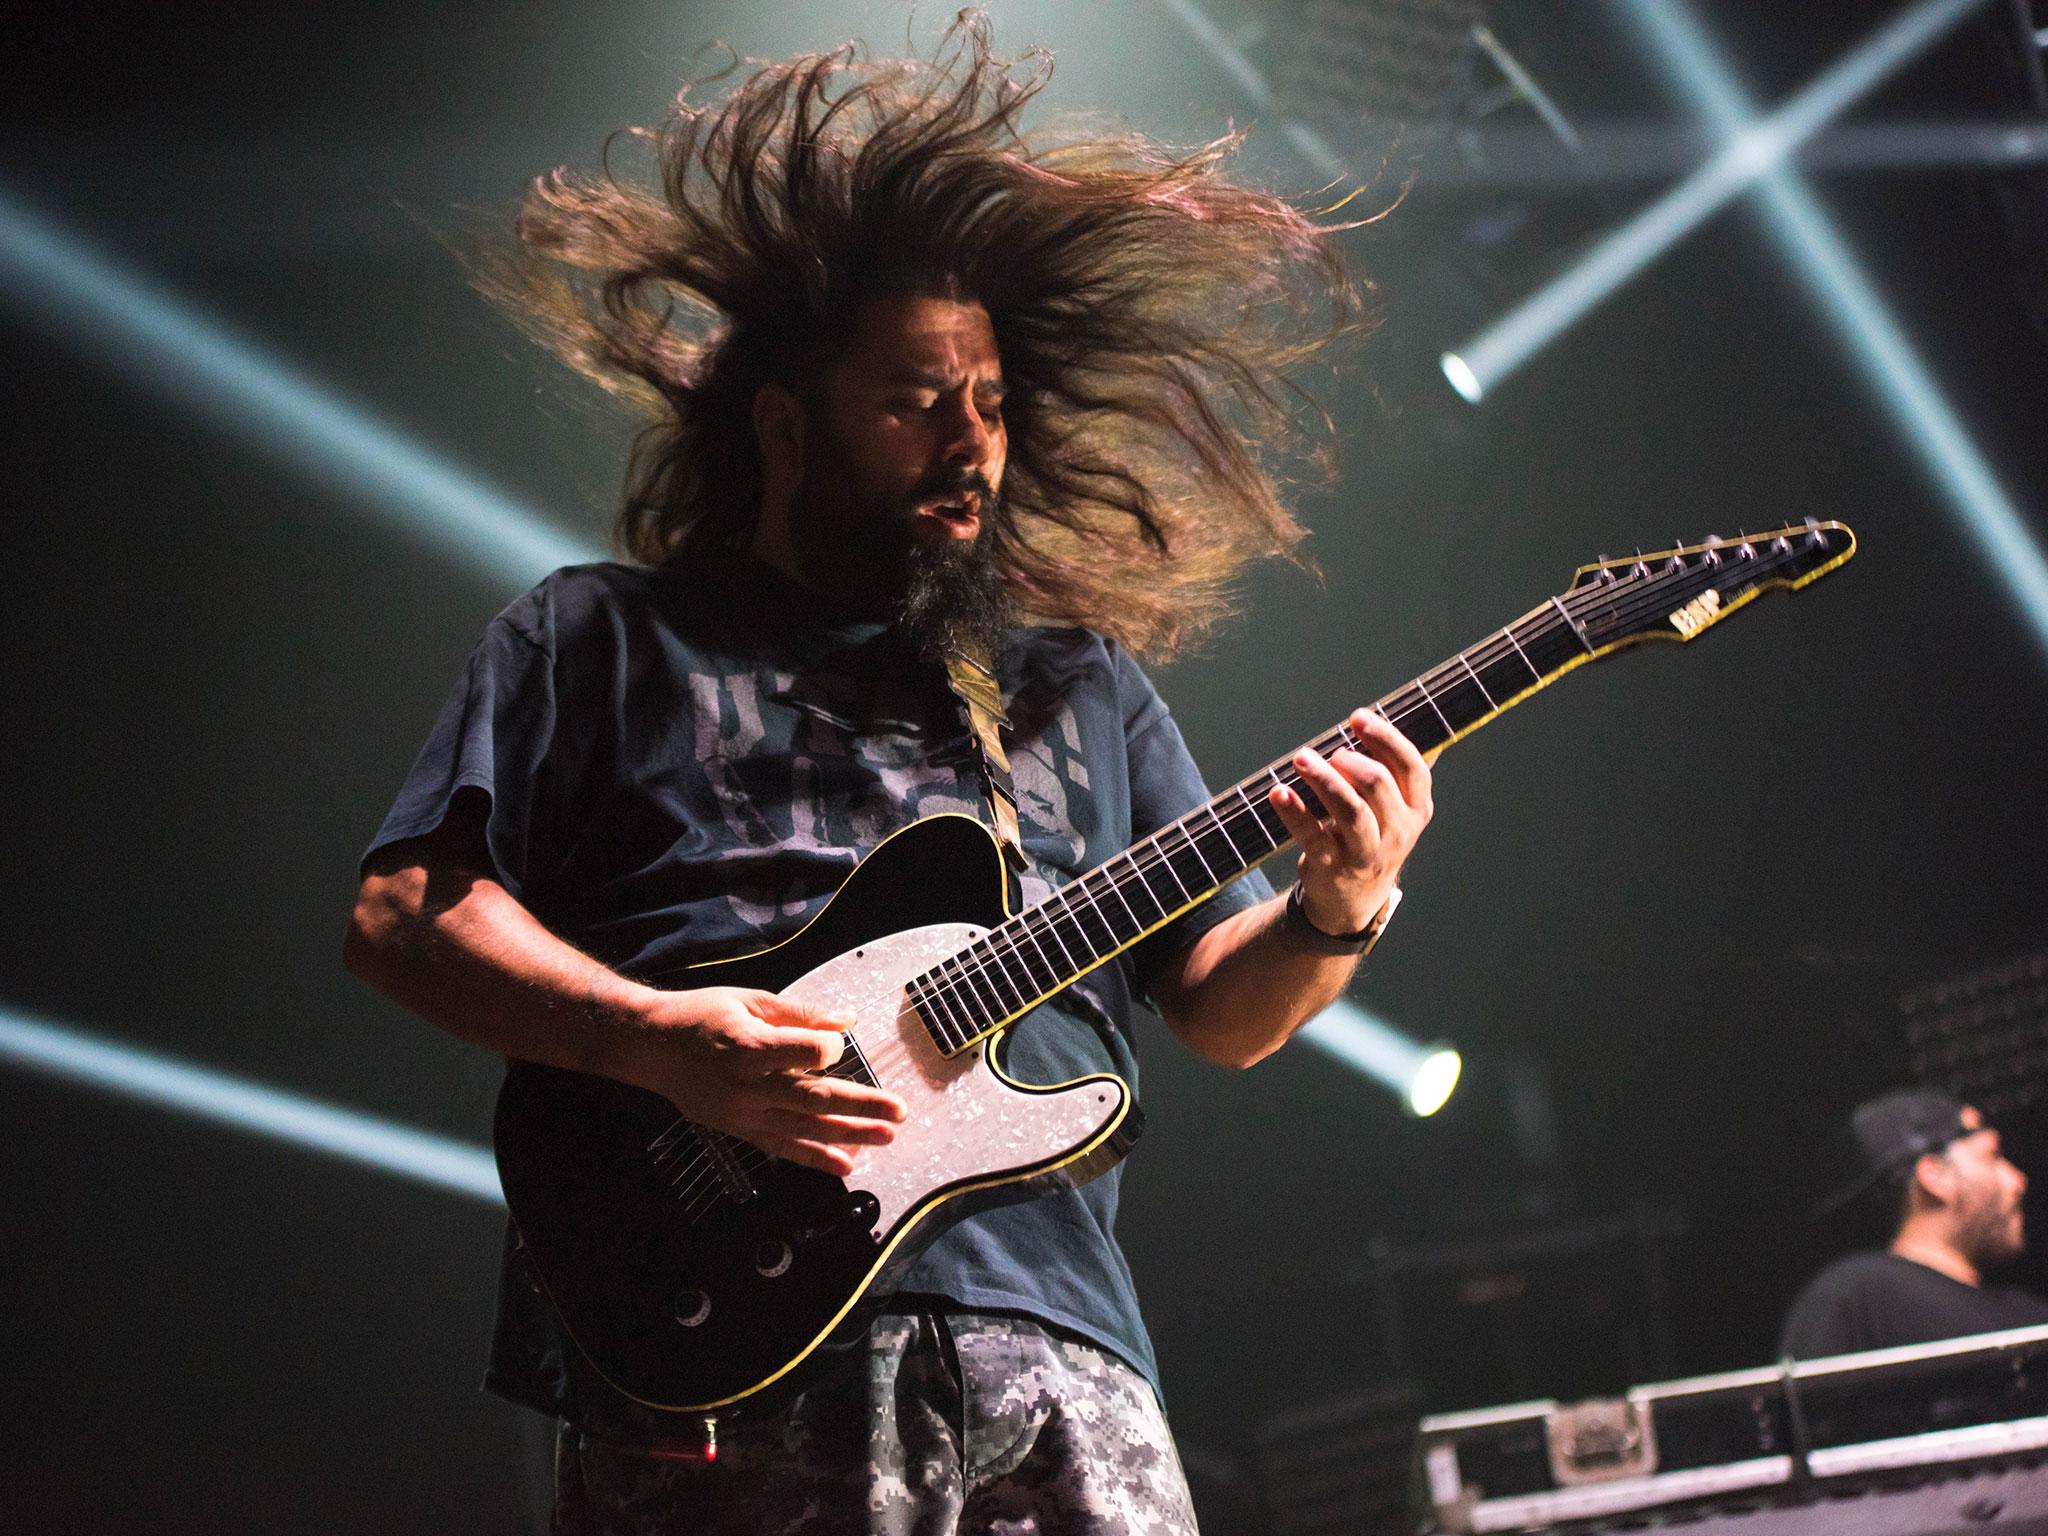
(1147, 311)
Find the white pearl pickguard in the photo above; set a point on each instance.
(966, 1122)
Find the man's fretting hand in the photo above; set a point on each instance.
(1375, 804)
(744, 1062)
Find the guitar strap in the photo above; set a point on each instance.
(981, 701)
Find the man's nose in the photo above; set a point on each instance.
(968, 440)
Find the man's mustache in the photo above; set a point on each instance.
(952, 480)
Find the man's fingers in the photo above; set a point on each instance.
(833, 1095)
(1351, 819)
(798, 1050)
(812, 1154)
(841, 1130)
(790, 1013)
(1391, 746)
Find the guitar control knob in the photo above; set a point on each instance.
(772, 1258)
(691, 1307)
(864, 1208)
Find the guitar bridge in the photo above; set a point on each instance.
(731, 1176)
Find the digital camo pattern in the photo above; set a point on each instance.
(1030, 1433)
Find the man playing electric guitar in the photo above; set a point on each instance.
(921, 388)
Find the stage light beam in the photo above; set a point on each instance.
(1843, 291)
(1759, 148)
(63, 283)
(168, 1083)
(1423, 1076)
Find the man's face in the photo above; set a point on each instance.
(900, 480)
(1990, 1219)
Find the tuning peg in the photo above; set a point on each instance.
(1781, 545)
(1639, 569)
(1676, 562)
(1711, 555)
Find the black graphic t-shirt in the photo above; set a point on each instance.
(684, 763)
(1879, 1300)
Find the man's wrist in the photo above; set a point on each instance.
(1304, 934)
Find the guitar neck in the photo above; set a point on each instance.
(1088, 921)
(1672, 596)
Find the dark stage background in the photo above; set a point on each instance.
(1667, 910)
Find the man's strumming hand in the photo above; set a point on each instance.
(748, 1063)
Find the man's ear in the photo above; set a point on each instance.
(1936, 1177)
(779, 426)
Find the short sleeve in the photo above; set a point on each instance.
(493, 734)
(1166, 785)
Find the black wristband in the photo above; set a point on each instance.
(1306, 935)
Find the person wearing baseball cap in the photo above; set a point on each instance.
(1958, 1202)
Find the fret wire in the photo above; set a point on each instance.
(1166, 863)
(962, 1009)
(1116, 889)
(1257, 820)
(1086, 885)
(1188, 838)
(1052, 927)
(1533, 673)
(1235, 851)
(1430, 699)
(1024, 927)
(991, 961)
(969, 975)
(1578, 630)
(987, 957)
(1477, 684)
(1080, 930)
(1129, 857)
(939, 1014)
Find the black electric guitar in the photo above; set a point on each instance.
(694, 1270)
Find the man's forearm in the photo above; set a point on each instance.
(1248, 984)
(459, 950)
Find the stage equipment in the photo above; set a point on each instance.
(1572, 1306)
(1341, 1465)
(1942, 1437)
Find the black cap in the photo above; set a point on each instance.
(1893, 1132)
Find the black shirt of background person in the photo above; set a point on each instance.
(1878, 1300)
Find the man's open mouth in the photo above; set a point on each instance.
(961, 513)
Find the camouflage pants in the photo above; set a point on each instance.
(952, 1422)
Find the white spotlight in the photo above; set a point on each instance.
(1434, 1082)
(1462, 378)
(1422, 1075)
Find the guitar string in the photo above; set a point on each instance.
(1495, 649)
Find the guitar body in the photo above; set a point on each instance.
(693, 1271)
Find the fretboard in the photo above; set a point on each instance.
(1015, 967)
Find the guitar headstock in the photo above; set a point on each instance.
(1675, 594)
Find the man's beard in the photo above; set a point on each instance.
(941, 597)
(1988, 1233)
